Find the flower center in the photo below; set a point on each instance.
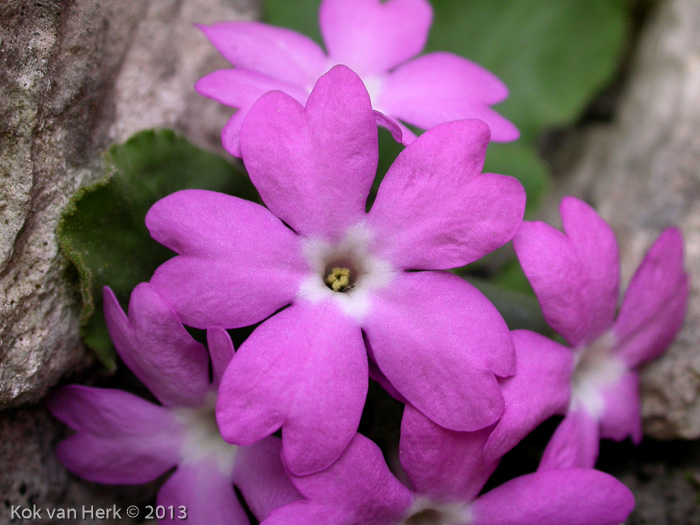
(426, 512)
(345, 271)
(202, 439)
(596, 369)
(340, 279)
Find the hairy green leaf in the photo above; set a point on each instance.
(102, 229)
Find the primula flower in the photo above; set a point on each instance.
(378, 41)
(447, 470)
(123, 439)
(438, 340)
(575, 275)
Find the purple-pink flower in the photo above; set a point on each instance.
(346, 279)
(123, 439)
(378, 41)
(446, 471)
(575, 275)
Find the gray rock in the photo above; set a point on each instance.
(664, 477)
(75, 77)
(642, 173)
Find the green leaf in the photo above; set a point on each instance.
(300, 15)
(102, 230)
(553, 56)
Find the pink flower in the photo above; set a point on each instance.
(575, 275)
(446, 471)
(122, 439)
(378, 40)
(347, 274)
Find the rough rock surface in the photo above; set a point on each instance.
(75, 76)
(643, 174)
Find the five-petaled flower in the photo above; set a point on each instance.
(575, 275)
(446, 471)
(123, 439)
(347, 278)
(378, 41)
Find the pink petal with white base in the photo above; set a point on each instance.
(371, 36)
(574, 444)
(540, 389)
(574, 497)
(435, 210)
(274, 51)
(314, 167)
(655, 303)
(440, 342)
(121, 438)
(156, 347)
(622, 412)
(441, 463)
(574, 275)
(204, 493)
(304, 369)
(238, 263)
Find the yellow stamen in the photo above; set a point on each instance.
(338, 279)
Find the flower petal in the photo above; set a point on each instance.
(655, 302)
(540, 389)
(574, 275)
(121, 438)
(371, 36)
(240, 88)
(441, 463)
(262, 479)
(574, 444)
(439, 342)
(359, 486)
(314, 167)
(435, 210)
(622, 413)
(304, 369)
(156, 347)
(221, 352)
(238, 262)
(574, 497)
(310, 513)
(275, 51)
(203, 493)
(441, 87)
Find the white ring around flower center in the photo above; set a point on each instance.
(596, 369)
(203, 439)
(371, 273)
(427, 512)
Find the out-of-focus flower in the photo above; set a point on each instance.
(123, 439)
(345, 272)
(447, 470)
(575, 275)
(378, 40)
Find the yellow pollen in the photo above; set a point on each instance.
(338, 279)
